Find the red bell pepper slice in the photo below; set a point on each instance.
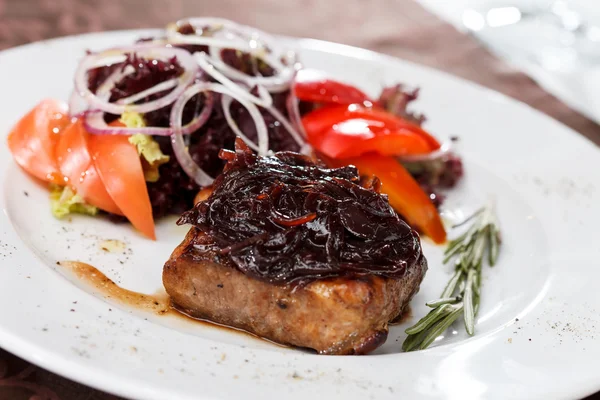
(314, 86)
(349, 131)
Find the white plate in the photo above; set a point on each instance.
(543, 176)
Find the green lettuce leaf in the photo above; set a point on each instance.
(147, 147)
(64, 201)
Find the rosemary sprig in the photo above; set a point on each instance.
(462, 293)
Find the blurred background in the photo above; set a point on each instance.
(545, 53)
(556, 42)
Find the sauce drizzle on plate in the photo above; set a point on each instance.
(158, 303)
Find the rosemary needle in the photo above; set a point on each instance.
(462, 293)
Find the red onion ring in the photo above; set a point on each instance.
(227, 34)
(77, 104)
(218, 25)
(276, 83)
(183, 156)
(287, 125)
(94, 123)
(144, 50)
(161, 87)
(263, 99)
(293, 110)
(261, 128)
(226, 104)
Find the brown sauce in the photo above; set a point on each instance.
(159, 304)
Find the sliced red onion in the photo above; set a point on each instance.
(183, 156)
(229, 42)
(276, 83)
(187, 162)
(105, 88)
(287, 125)
(161, 87)
(150, 51)
(77, 104)
(226, 104)
(444, 149)
(293, 109)
(220, 26)
(94, 123)
(201, 118)
(225, 34)
(263, 99)
(108, 61)
(261, 128)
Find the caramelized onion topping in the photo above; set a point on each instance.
(284, 218)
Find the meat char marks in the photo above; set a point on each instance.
(296, 253)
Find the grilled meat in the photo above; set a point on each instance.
(296, 253)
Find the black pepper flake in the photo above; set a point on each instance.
(220, 286)
(72, 310)
(25, 193)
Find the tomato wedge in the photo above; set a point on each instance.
(404, 193)
(78, 168)
(32, 141)
(314, 86)
(349, 131)
(119, 166)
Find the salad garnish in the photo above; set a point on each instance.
(145, 123)
(463, 292)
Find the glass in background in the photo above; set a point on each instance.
(555, 41)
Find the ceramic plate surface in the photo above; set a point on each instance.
(537, 333)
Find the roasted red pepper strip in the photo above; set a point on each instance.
(349, 131)
(404, 193)
(311, 85)
(389, 118)
(358, 136)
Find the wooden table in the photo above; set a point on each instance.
(400, 28)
